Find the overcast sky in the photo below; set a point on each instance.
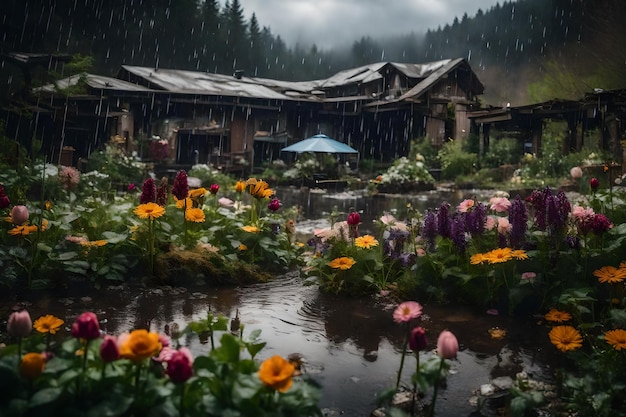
(329, 23)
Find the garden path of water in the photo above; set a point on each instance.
(350, 346)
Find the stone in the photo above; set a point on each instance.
(487, 390)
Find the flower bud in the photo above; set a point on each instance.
(447, 345)
(86, 326)
(214, 189)
(109, 351)
(32, 365)
(179, 366)
(19, 215)
(274, 204)
(20, 324)
(418, 340)
(354, 218)
(594, 183)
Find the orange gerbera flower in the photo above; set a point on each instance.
(240, 186)
(617, 338)
(258, 188)
(195, 215)
(519, 254)
(565, 338)
(250, 229)
(365, 242)
(139, 344)
(557, 316)
(478, 258)
(277, 372)
(610, 274)
(48, 324)
(149, 211)
(342, 263)
(197, 193)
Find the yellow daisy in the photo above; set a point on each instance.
(565, 338)
(195, 215)
(616, 338)
(149, 211)
(342, 263)
(48, 324)
(557, 316)
(365, 242)
(610, 274)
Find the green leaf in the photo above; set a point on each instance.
(229, 349)
(66, 256)
(254, 348)
(45, 396)
(111, 407)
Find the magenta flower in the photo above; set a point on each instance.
(417, 339)
(594, 183)
(20, 324)
(447, 345)
(86, 326)
(180, 189)
(214, 188)
(407, 311)
(274, 205)
(19, 215)
(148, 192)
(354, 218)
(109, 351)
(179, 365)
(131, 187)
(4, 199)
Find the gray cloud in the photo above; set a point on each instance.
(329, 23)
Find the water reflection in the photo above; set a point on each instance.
(351, 346)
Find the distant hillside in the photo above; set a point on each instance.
(523, 51)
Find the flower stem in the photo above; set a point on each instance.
(432, 405)
(406, 342)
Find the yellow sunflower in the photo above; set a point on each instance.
(565, 338)
(365, 242)
(610, 274)
(617, 338)
(557, 316)
(197, 193)
(342, 263)
(250, 229)
(240, 186)
(258, 188)
(48, 324)
(149, 211)
(187, 202)
(195, 215)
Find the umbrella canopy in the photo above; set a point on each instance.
(319, 144)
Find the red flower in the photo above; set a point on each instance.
(354, 218)
(594, 183)
(4, 199)
(86, 326)
(179, 366)
(418, 340)
(274, 205)
(180, 189)
(214, 189)
(109, 351)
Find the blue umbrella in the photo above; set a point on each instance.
(319, 144)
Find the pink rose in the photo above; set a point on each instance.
(179, 366)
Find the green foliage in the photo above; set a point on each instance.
(455, 161)
(121, 168)
(503, 151)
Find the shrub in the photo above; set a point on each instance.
(455, 161)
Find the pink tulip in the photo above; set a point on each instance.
(86, 326)
(19, 215)
(109, 351)
(20, 324)
(447, 345)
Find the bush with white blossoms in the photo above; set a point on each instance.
(405, 171)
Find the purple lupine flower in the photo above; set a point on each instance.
(475, 219)
(395, 242)
(443, 220)
(518, 218)
(407, 259)
(162, 193)
(148, 192)
(429, 229)
(573, 242)
(558, 209)
(180, 189)
(457, 233)
(538, 201)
